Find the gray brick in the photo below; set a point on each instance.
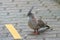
(47, 9)
(7, 38)
(52, 38)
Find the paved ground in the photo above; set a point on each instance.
(15, 11)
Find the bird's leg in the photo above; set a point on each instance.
(37, 32)
(34, 31)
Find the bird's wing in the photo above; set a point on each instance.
(41, 23)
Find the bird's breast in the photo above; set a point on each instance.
(32, 24)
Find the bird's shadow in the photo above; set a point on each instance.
(40, 31)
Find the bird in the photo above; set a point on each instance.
(35, 23)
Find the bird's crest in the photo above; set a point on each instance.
(31, 9)
(29, 13)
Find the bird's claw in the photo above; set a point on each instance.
(36, 33)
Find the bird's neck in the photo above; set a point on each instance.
(32, 18)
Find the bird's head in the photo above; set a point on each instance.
(29, 14)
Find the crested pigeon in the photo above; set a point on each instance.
(35, 24)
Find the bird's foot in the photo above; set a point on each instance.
(36, 33)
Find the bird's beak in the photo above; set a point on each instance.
(28, 14)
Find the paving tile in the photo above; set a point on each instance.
(10, 12)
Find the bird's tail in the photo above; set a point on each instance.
(48, 27)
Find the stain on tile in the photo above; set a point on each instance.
(24, 15)
(55, 17)
(52, 15)
(16, 5)
(41, 2)
(36, 12)
(13, 0)
(40, 17)
(7, 34)
(16, 24)
(20, 30)
(49, 10)
(28, 2)
(59, 2)
(5, 8)
(8, 13)
(1, 3)
(58, 19)
(3, 28)
(43, 38)
(46, 6)
(20, 10)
